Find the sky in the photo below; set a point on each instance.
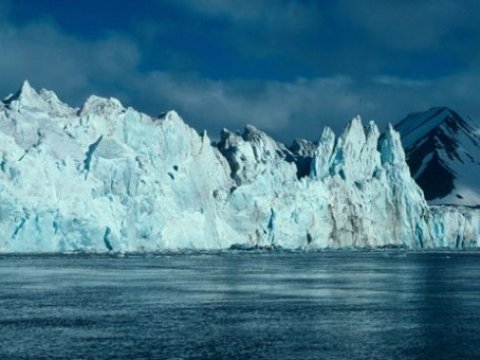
(289, 67)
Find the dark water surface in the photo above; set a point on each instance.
(333, 305)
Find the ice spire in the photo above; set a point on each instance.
(25, 97)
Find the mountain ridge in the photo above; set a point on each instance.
(443, 152)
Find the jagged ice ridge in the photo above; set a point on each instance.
(105, 177)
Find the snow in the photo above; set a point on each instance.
(107, 177)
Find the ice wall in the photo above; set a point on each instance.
(455, 226)
(105, 177)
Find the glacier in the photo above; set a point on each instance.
(105, 177)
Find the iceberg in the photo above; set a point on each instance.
(106, 177)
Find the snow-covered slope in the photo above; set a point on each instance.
(105, 177)
(443, 152)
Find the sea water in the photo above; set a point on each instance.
(243, 305)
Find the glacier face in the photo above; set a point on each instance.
(105, 177)
(455, 226)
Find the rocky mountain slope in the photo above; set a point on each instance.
(443, 152)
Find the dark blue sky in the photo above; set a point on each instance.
(287, 66)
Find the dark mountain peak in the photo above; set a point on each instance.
(441, 122)
(443, 153)
(302, 147)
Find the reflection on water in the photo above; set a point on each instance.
(331, 305)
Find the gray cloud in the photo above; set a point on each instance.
(303, 107)
(278, 107)
(411, 25)
(41, 52)
(265, 12)
(110, 65)
(259, 29)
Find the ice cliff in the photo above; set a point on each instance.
(105, 177)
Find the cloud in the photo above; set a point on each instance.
(396, 81)
(235, 10)
(279, 107)
(253, 30)
(113, 64)
(41, 52)
(303, 107)
(110, 66)
(284, 11)
(5, 9)
(411, 25)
